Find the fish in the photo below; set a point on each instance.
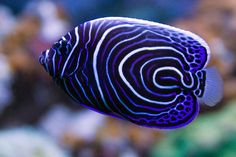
(151, 74)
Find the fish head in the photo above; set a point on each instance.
(56, 60)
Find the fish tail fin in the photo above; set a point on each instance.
(213, 91)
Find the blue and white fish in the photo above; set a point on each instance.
(148, 73)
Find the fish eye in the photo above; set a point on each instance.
(62, 47)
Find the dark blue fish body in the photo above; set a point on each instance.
(148, 73)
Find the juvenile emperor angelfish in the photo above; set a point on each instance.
(150, 74)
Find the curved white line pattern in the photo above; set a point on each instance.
(96, 54)
(187, 33)
(72, 51)
(113, 80)
(163, 68)
(99, 50)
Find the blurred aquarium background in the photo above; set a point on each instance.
(38, 120)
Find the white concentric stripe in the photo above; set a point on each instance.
(46, 55)
(96, 54)
(117, 95)
(107, 73)
(68, 91)
(84, 31)
(70, 36)
(151, 60)
(78, 61)
(53, 64)
(169, 87)
(97, 29)
(198, 84)
(188, 33)
(143, 32)
(63, 38)
(70, 54)
(123, 41)
(86, 45)
(45, 58)
(90, 30)
(166, 103)
(120, 35)
(168, 68)
(83, 91)
(120, 67)
(129, 39)
(126, 40)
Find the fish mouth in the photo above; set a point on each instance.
(43, 59)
